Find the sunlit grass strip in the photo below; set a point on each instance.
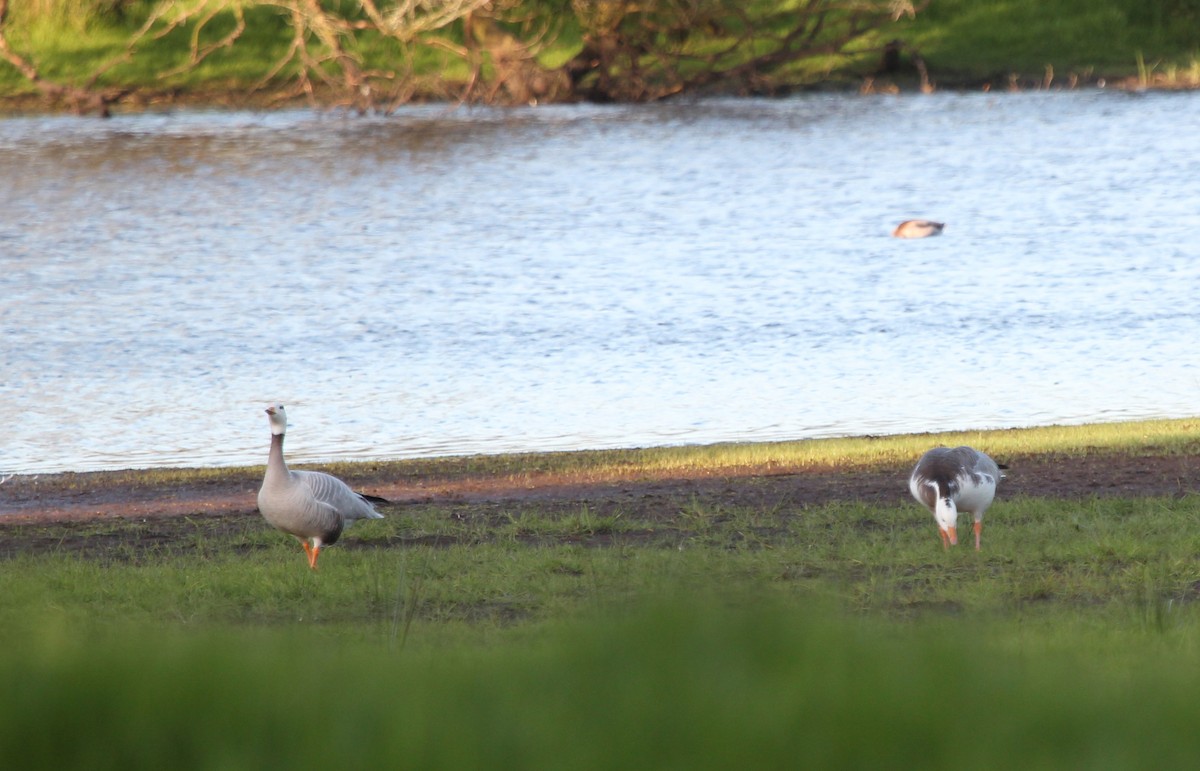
(1154, 436)
(1176, 436)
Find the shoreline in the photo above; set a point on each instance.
(156, 494)
(118, 516)
(138, 100)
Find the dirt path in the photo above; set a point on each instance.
(35, 511)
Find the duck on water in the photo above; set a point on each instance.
(918, 229)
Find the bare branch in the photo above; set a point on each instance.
(642, 51)
(200, 53)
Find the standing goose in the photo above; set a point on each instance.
(918, 229)
(312, 506)
(948, 480)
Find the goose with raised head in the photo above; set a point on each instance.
(313, 506)
(918, 229)
(949, 480)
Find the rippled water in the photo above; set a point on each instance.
(473, 281)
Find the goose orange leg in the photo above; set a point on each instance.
(312, 552)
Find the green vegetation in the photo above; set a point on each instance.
(979, 40)
(72, 40)
(714, 635)
(222, 48)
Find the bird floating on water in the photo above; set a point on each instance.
(313, 506)
(947, 481)
(918, 229)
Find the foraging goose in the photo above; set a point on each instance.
(918, 229)
(948, 480)
(312, 506)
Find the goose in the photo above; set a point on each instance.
(948, 480)
(313, 506)
(918, 229)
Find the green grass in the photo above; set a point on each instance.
(989, 38)
(724, 635)
(679, 681)
(71, 45)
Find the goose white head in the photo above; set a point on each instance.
(945, 511)
(278, 418)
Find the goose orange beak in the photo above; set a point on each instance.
(949, 537)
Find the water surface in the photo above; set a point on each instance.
(473, 281)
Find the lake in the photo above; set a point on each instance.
(456, 281)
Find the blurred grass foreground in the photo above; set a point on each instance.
(677, 682)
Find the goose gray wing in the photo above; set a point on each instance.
(978, 464)
(332, 492)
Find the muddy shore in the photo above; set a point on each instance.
(62, 511)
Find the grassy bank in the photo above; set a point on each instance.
(1048, 42)
(698, 631)
(964, 43)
